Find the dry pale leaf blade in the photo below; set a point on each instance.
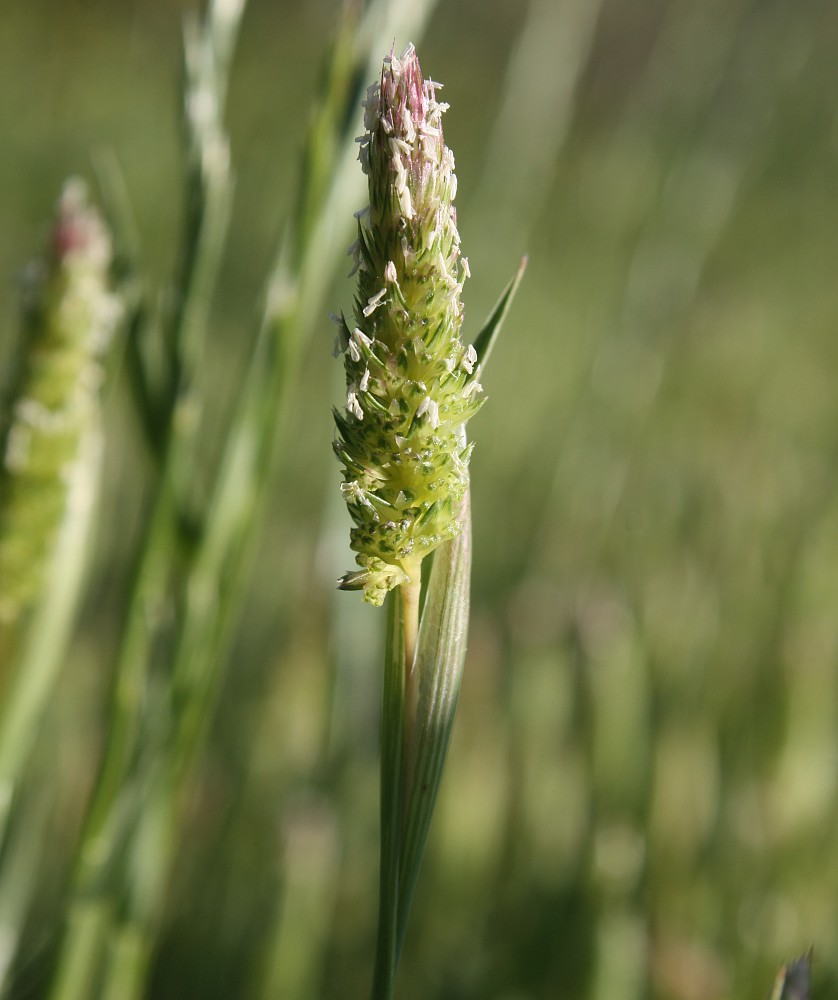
(439, 660)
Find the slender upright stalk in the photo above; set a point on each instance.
(411, 386)
(392, 818)
(410, 595)
(411, 590)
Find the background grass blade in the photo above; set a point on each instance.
(47, 634)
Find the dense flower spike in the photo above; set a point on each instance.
(411, 383)
(70, 317)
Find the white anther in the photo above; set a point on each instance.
(353, 406)
(469, 359)
(353, 491)
(430, 407)
(398, 146)
(405, 203)
(407, 124)
(373, 302)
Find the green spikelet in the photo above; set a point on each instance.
(69, 318)
(411, 383)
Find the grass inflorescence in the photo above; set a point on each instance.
(411, 382)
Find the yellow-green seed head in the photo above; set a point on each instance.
(411, 383)
(70, 316)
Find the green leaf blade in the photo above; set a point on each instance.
(794, 980)
(485, 341)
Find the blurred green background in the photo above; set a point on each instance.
(642, 792)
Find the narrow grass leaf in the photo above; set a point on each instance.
(485, 340)
(146, 378)
(794, 979)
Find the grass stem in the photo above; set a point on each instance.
(410, 613)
